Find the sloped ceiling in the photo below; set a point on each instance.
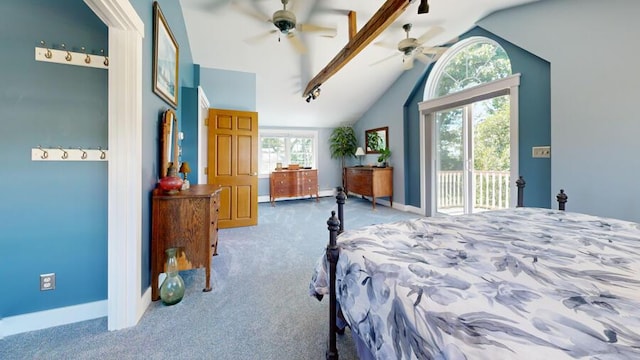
(222, 36)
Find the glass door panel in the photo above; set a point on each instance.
(449, 162)
(491, 154)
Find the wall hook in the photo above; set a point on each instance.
(87, 58)
(45, 153)
(84, 154)
(65, 154)
(68, 56)
(106, 58)
(48, 54)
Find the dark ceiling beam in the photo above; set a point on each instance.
(384, 17)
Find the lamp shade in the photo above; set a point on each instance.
(185, 168)
(359, 151)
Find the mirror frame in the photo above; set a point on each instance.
(168, 141)
(382, 132)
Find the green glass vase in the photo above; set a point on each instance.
(172, 289)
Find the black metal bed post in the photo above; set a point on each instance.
(333, 224)
(520, 184)
(562, 199)
(341, 197)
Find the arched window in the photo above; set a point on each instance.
(468, 63)
(470, 114)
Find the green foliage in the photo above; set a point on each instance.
(374, 141)
(343, 143)
(492, 145)
(385, 154)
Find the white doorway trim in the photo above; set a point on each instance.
(505, 86)
(126, 30)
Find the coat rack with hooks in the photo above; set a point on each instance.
(64, 56)
(68, 154)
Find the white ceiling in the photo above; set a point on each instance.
(218, 32)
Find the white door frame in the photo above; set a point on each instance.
(505, 86)
(126, 304)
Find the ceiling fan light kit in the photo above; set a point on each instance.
(284, 20)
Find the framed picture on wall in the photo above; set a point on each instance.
(165, 59)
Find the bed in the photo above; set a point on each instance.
(521, 283)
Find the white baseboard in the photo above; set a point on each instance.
(321, 193)
(49, 318)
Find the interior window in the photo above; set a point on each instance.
(287, 148)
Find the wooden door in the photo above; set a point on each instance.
(233, 165)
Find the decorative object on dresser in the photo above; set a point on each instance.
(293, 183)
(171, 183)
(185, 169)
(370, 181)
(187, 220)
(360, 153)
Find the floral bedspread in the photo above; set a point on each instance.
(523, 283)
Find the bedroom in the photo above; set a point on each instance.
(590, 125)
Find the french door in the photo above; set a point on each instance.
(472, 157)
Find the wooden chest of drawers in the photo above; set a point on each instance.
(187, 220)
(293, 183)
(370, 181)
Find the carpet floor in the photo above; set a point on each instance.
(259, 307)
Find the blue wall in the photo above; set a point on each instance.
(226, 89)
(53, 214)
(534, 124)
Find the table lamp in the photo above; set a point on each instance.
(359, 154)
(184, 170)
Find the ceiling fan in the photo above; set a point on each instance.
(285, 22)
(413, 48)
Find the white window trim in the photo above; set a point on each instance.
(505, 86)
(290, 133)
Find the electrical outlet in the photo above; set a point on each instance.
(541, 151)
(47, 281)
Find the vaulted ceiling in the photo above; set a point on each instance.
(229, 35)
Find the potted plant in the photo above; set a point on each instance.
(384, 156)
(343, 144)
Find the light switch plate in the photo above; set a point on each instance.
(541, 151)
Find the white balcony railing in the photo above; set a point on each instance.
(491, 189)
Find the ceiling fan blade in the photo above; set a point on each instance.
(432, 49)
(434, 31)
(253, 13)
(422, 57)
(385, 59)
(408, 63)
(325, 30)
(386, 44)
(297, 43)
(260, 37)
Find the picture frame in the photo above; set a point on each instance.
(165, 59)
(376, 140)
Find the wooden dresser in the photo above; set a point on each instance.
(370, 181)
(186, 220)
(293, 183)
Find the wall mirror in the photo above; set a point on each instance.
(168, 142)
(376, 139)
